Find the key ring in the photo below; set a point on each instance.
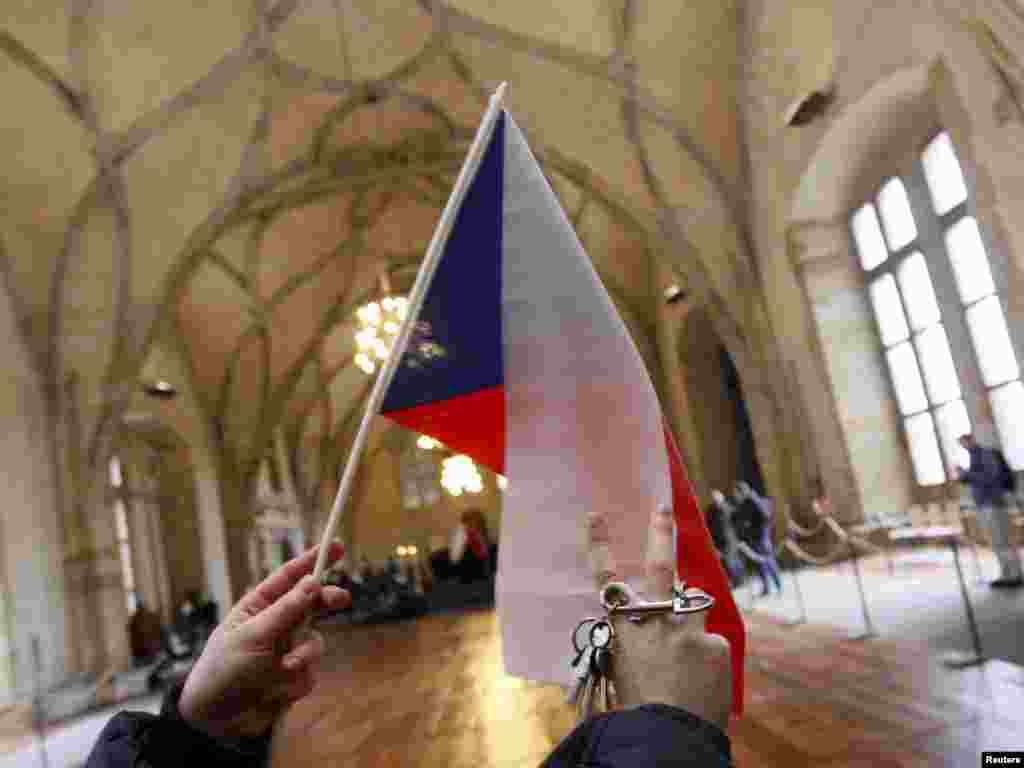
(580, 640)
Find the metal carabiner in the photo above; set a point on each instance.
(619, 598)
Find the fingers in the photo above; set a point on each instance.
(602, 562)
(285, 578)
(660, 564)
(306, 654)
(335, 599)
(279, 619)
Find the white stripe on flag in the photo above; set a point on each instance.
(583, 428)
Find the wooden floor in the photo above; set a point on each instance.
(433, 692)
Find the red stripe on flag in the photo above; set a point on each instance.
(473, 424)
(698, 565)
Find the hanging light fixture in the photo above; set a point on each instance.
(459, 475)
(378, 323)
(427, 443)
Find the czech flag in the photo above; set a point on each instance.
(518, 358)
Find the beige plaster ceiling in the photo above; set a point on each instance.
(235, 177)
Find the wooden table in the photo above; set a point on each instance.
(951, 537)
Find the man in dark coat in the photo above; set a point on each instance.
(990, 482)
(719, 521)
(752, 521)
(672, 679)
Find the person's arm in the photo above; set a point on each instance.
(246, 677)
(168, 741)
(974, 472)
(648, 735)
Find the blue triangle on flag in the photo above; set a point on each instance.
(456, 343)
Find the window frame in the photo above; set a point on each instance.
(120, 504)
(911, 175)
(931, 241)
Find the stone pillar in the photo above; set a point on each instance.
(212, 534)
(867, 471)
(148, 556)
(31, 546)
(95, 589)
(669, 320)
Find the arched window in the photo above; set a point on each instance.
(419, 481)
(124, 544)
(927, 268)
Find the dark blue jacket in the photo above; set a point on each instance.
(652, 735)
(985, 476)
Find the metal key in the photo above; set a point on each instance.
(592, 640)
(583, 670)
(601, 634)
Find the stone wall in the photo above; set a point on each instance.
(31, 546)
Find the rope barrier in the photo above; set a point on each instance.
(807, 557)
(846, 544)
(849, 537)
(750, 553)
(805, 533)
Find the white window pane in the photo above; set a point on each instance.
(868, 235)
(1008, 409)
(939, 371)
(896, 216)
(892, 325)
(121, 520)
(952, 421)
(126, 566)
(918, 293)
(992, 342)
(115, 472)
(906, 379)
(924, 450)
(970, 262)
(943, 174)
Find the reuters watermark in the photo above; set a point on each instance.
(1002, 758)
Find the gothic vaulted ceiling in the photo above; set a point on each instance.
(235, 177)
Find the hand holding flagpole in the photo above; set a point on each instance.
(416, 296)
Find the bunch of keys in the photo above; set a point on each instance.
(593, 640)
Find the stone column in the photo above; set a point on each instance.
(669, 319)
(95, 590)
(866, 471)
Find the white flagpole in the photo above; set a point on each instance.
(416, 296)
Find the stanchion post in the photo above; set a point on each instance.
(799, 598)
(750, 588)
(869, 629)
(38, 710)
(957, 659)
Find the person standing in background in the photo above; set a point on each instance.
(991, 480)
(719, 521)
(753, 527)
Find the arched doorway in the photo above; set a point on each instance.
(725, 437)
(748, 468)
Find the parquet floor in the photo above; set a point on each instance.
(433, 693)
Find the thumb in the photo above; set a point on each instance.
(285, 614)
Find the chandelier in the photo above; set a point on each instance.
(462, 474)
(427, 443)
(377, 325)
(459, 475)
